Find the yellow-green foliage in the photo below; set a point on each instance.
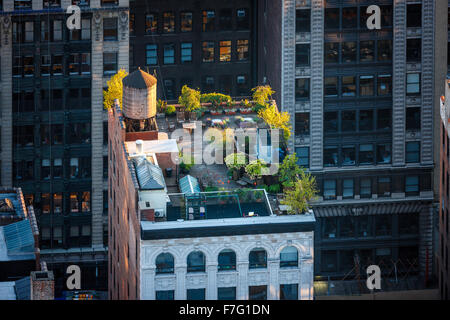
(215, 98)
(303, 191)
(189, 98)
(114, 90)
(276, 119)
(261, 94)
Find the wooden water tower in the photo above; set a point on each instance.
(139, 101)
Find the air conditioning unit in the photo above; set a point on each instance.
(159, 213)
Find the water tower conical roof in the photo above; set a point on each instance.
(139, 79)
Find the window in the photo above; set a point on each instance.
(242, 50)
(383, 225)
(169, 53)
(414, 15)
(302, 89)
(331, 18)
(408, 223)
(366, 154)
(302, 156)
(57, 30)
(289, 257)
(330, 156)
(44, 31)
(151, 23)
(348, 52)
(257, 259)
(45, 169)
(29, 31)
(85, 63)
(331, 122)
(208, 84)
(242, 19)
(74, 64)
(186, 21)
(208, 20)
(413, 118)
(23, 135)
(349, 17)
(208, 51)
(226, 293)
(164, 263)
(57, 65)
(384, 50)
(79, 133)
(289, 291)
(348, 121)
(329, 227)
(302, 52)
(242, 85)
(347, 188)
(85, 29)
(110, 29)
(45, 65)
(132, 24)
(86, 201)
(365, 120)
(366, 85)
(331, 87)
(23, 170)
(225, 84)
(348, 86)
(151, 54)
(366, 51)
(331, 52)
(303, 21)
(45, 202)
(386, 16)
(413, 152)
(169, 87)
(186, 52)
(383, 153)
(413, 50)
(384, 85)
(257, 293)
(225, 19)
(329, 261)
(365, 190)
(225, 51)
(21, 4)
(74, 202)
(413, 84)
(348, 156)
(302, 123)
(227, 260)
(109, 63)
(384, 187)
(384, 121)
(347, 226)
(168, 22)
(165, 295)
(57, 202)
(329, 190)
(196, 262)
(195, 294)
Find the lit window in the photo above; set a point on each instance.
(186, 21)
(208, 51)
(208, 21)
(168, 22)
(225, 51)
(242, 50)
(151, 23)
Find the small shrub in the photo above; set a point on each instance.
(170, 110)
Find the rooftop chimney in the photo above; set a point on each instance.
(139, 146)
(42, 285)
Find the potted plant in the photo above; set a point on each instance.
(235, 162)
(190, 99)
(161, 108)
(170, 111)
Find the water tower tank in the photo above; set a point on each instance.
(139, 95)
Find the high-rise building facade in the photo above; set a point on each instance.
(53, 124)
(210, 45)
(361, 104)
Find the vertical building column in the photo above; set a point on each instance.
(317, 75)
(399, 83)
(124, 49)
(180, 287)
(306, 287)
(426, 256)
(211, 290)
(147, 285)
(426, 131)
(288, 63)
(242, 287)
(6, 97)
(97, 130)
(273, 292)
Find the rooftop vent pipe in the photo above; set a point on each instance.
(139, 146)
